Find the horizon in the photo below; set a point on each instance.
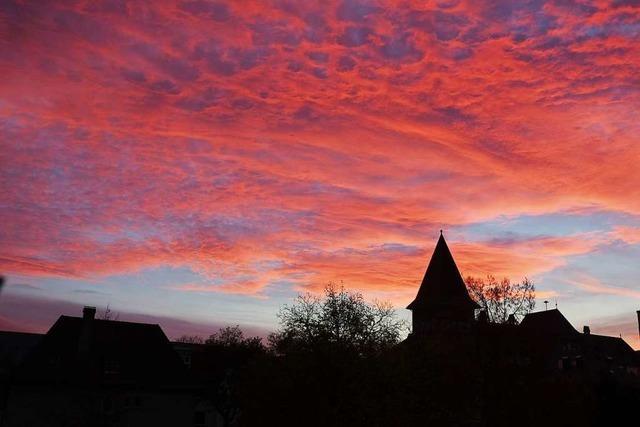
(176, 328)
(201, 163)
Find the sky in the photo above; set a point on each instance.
(199, 163)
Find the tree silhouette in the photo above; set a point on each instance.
(190, 339)
(500, 299)
(108, 314)
(326, 365)
(233, 337)
(340, 319)
(222, 362)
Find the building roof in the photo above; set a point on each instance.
(442, 284)
(548, 322)
(103, 351)
(609, 346)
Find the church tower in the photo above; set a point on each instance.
(442, 299)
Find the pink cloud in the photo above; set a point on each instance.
(595, 286)
(263, 143)
(630, 235)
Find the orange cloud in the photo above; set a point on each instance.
(260, 143)
(630, 235)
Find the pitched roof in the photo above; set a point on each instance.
(609, 346)
(134, 351)
(548, 322)
(442, 284)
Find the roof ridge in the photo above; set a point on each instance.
(114, 321)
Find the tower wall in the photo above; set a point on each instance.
(425, 320)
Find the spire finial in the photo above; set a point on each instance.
(441, 231)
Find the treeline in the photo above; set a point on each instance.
(340, 361)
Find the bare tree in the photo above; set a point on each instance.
(109, 315)
(232, 336)
(340, 318)
(190, 339)
(499, 299)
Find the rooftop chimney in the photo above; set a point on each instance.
(586, 330)
(88, 313)
(86, 332)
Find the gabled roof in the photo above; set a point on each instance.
(549, 322)
(442, 284)
(87, 349)
(609, 346)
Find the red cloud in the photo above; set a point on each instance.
(262, 143)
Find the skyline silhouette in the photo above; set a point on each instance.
(199, 163)
(336, 360)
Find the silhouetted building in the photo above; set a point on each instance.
(456, 368)
(544, 340)
(443, 300)
(557, 345)
(88, 371)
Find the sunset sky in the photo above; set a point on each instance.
(199, 163)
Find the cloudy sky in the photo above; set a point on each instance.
(199, 163)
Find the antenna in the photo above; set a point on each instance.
(545, 305)
(556, 304)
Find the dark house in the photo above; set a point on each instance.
(559, 346)
(460, 369)
(544, 340)
(88, 371)
(81, 350)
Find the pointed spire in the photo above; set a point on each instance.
(442, 285)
